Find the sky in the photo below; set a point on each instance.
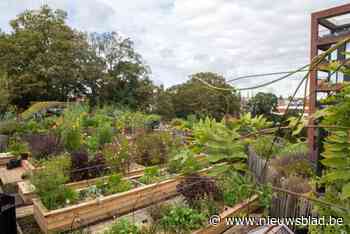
(178, 38)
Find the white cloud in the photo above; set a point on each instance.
(181, 37)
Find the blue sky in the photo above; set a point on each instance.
(180, 37)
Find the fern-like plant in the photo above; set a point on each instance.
(219, 142)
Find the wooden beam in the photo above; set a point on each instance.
(327, 24)
(332, 12)
(332, 39)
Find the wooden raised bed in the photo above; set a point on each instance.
(27, 191)
(105, 207)
(30, 168)
(5, 158)
(249, 205)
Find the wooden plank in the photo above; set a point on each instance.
(92, 211)
(5, 158)
(11, 176)
(27, 191)
(249, 205)
(24, 211)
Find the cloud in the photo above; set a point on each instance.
(180, 37)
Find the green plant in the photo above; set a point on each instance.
(294, 149)
(104, 134)
(92, 143)
(151, 175)
(9, 126)
(219, 142)
(50, 182)
(181, 219)
(264, 147)
(265, 196)
(154, 148)
(30, 126)
(235, 187)
(186, 162)
(123, 226)
(17, 146)
(336, 176)
(72, 138)
(117, 154)
(248, 124)
(114, 184)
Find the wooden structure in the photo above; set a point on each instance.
(11, 177)
(247, 206)
(105, 207)
(27, 191)
(328, 27)
(5, 158)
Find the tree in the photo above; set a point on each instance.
(125, 79)
(41, 57)
(46, 60)
(194, 97)
(263, 104)
(163, 104)
(4, 93)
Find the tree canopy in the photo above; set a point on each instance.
(262, 104)
(196, 98)
(44, 59)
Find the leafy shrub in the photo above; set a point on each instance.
(131, 121)
(89, 121)
(235, 187)
(79, 166)
(114, 184)
(104, 134)
(248, 124)
(264, 148)
(72, 138)
(30, 127)
(158, 210)
(8, 127)
(49, 183)
(185, 162)
(294, 149)
(43, 145)
(181, 219)
(117, 154)
(219, 142)
(154, 148)
(17, 146)
(123, 226)
(91, 143)
(195, 188)
(151, 175)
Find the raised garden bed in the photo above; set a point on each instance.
(247, 206)
(5, 158)
(104, 207)
(27, 193)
